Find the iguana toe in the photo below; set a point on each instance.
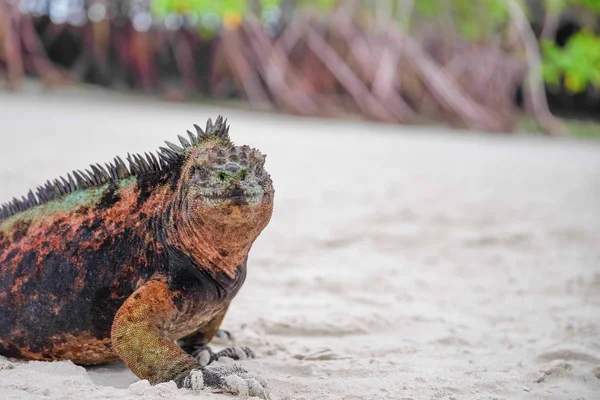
(227, 378)
(205, 356)
(236, 353)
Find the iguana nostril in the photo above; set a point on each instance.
(237, 191)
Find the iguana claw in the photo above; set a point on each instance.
(227, 378)
(206, 356)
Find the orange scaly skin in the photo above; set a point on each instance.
(124, 265)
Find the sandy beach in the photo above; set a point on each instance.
(400, 263)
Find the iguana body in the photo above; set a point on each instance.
(124, 261)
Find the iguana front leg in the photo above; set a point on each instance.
(196, 344)
(138, 337)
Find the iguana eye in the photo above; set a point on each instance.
(221, 175)
(243, 174)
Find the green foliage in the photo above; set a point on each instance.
(592, 5)
(220, 8)
(428, 8)
(577, 64)
(473, 19)
(558, 6)
(322, 4)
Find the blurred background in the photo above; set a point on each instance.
(491, 65)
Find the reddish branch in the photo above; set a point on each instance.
(380, 65)
(10, 48)
(244, 73)
(273, 66)
(535, 85)
(323, 67)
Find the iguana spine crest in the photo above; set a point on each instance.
(166, 160)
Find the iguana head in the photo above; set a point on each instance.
(224, 191)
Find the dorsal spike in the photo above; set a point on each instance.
(167, 160)
(97, 175)
(174, 147)
(112, 171)
(133, 167)
(193, 138)
(164, 159)
(184, 142)
(40, 194)
(49, 190)
(170, 154)
(66, 185)
(224, 129)
(104, 173)
(57, 188)
(31, 197)
(199, 131)
(72, 182)
(152, 161)
(148, 160)
(81, 181)
(122, 170)
(138, 163)
(136, 160)
(143, 164)
(92, 177)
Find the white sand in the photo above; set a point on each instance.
(400, 263)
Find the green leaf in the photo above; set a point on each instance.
(578, 61)
(555, 7)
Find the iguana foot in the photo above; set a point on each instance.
(226, 378)
(205, 355)
(236, 353)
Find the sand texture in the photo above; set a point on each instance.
(400, 263)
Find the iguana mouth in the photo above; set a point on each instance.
(237, 193)
(236, 197)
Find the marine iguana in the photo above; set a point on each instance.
(139, 262)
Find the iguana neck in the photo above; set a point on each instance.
(215, 244)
